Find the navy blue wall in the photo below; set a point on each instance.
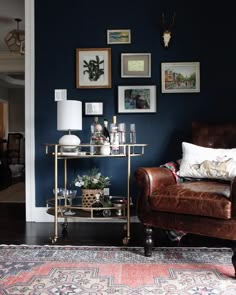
(201, 33)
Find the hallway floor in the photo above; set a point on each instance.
(14, 230)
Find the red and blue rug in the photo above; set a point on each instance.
(60, 270)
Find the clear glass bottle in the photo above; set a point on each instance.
(122, 140)
(114, 137)
(132, 135)
(99, 140)
(97, 204)
(92, 140)
(95, 122)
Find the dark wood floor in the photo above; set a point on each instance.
(14, 230)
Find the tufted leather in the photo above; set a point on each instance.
(220, 135)
(201, 207)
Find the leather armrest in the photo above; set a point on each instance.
(233, 197)
(151, 178)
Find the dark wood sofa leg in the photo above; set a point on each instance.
(234, 257)
(148, 241)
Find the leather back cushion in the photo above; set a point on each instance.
(214, 135)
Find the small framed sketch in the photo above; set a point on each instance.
(180, 77)
(93, 67)
(137, 99)
(118, 36)
(93, 109)
(135, 65)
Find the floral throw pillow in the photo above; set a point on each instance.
(203, 162)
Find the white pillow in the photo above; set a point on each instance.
(202, 162)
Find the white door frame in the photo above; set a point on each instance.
(29, 111)
(33, 213)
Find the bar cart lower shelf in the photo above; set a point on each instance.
(118, 211)
(71, 209)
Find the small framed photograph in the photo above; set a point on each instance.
(180, 77)
(135, 65)
(93, 67)
(137, 99)
(93, 109)
(118, 36)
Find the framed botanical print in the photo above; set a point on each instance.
(93, 67)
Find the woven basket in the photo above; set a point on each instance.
(89, 197)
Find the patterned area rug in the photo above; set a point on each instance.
(60, 270)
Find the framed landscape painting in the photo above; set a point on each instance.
(118, 36)
(93, 67)
(180, 77)
(137, 99)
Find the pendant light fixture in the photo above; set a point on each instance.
(15, 39)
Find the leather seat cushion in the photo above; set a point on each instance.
(203, 198)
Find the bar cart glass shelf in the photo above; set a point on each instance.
(68, 207)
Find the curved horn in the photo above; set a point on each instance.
(173, 21)
(163, 20)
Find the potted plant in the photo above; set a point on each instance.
(91, 184)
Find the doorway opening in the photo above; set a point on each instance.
(12, 147)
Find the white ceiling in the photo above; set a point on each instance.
(9, 10)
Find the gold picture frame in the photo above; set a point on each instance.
(93, 68)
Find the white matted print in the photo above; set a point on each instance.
(135, 65)
(93, 67)
(180, 77)
(137, 99)
(93, 108)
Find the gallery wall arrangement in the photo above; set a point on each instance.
(120, 63)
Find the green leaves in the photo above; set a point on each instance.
(92, 180)
(93, 68)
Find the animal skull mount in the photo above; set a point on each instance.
(167, 31)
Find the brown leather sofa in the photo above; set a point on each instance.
(197, 207)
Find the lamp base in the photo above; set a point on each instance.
(69, 143)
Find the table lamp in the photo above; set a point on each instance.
(69, 117)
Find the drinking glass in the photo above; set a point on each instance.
(59, 198)
(69, 195)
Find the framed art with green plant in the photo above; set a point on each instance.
(93, 67)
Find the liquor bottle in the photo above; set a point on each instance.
(97, 126)
(105, 130)
(122, 135)
(97, 204)
(95, 122)
(132, 136)
(114, 137)
(92, 140)
(107, 203)
(98, 137)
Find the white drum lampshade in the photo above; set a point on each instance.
(69, 117)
